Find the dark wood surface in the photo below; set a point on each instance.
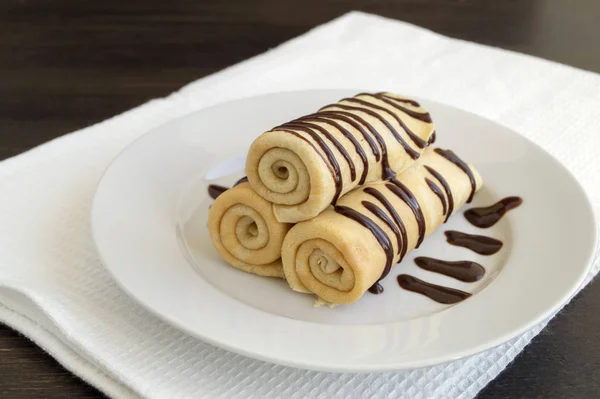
(67, 64)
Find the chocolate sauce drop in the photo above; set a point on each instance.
(462, 270)
(215, 190)
(488, 216)
(481, 244)
(432, 138)
(438, 293)
(242, 180)
(376, 289)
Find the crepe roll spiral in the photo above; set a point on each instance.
(347, 249)
(244, 231)
(305, 165)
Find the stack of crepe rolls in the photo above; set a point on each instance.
(246, 234)
(362, 185)
(359, 139)
(307, 164)
(347, 249)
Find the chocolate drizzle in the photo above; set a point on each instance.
(330, 113)
(438, 293)
(404, 100)
(446, 187)
(393, 101)
(377, 211)
(438, 192)
(333, 166)
(416, 139)
(462, 270)
(307, 126)
(386, 171)
(215, 190)
(432, 138)
(242, 180)
(376, 288)
(452, 157)
(396, 187)
(352, 119)
(409, 150)
(402, 237)
(488, 216)
(359, 150)
(379, 235)
(481, 244)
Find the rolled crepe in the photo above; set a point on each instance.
(305, 165)
(246, 234)
(348, 248)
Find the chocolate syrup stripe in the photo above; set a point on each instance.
(333, 165)
(379, 235)
(242, 180)
(214, 190)
(396, 226)
(416, 139)
(452, 157)
(401, 191)
(376, 289)
(432, 138)
(438, 293)
(307, 126)
(394, 102)
(481, 244)
(377, 211)
(462, 270)
(351, 119)
(404, 100)
(386, 171)
(409, 150)
(403, 239)
(488, 216)
(359, 150)
(446, 187)
(438, 192)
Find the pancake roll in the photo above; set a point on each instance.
(245, 232)
(307, 164)
(348, 248)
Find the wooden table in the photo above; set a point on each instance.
(67, 64)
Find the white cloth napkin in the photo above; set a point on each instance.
(55, 291)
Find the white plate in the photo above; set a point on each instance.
(149, 224)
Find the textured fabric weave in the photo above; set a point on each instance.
(54, 289)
